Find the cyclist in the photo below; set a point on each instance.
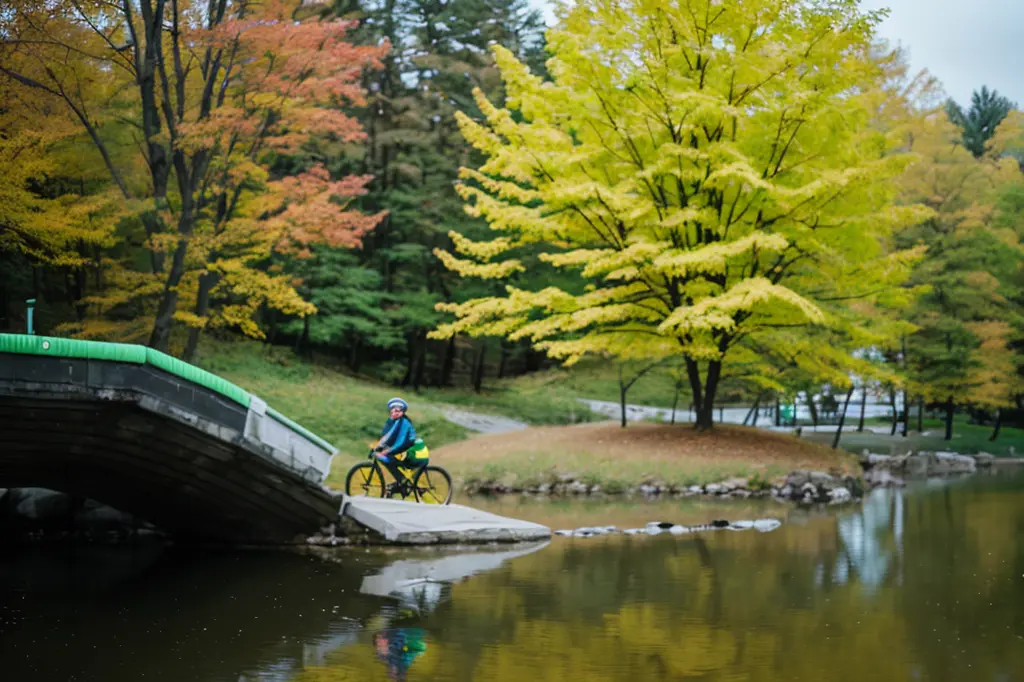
(398, 648)
(397, 436)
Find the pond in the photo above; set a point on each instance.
(925, 583)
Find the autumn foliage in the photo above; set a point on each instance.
(214, 92)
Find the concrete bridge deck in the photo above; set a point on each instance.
(409, 523)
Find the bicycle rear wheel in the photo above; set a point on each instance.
(433, 485)
(364, 480)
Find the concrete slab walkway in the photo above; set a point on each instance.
(409, 523)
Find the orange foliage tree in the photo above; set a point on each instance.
(215, 92)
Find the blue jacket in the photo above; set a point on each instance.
(398, 435)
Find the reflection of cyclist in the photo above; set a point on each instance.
(398, 648)
(397, 436)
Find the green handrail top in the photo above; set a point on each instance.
(50, 346)
(25, 344)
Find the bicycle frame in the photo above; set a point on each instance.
(405, 483)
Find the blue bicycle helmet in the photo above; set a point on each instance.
(398, 402)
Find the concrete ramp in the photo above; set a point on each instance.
(409, 523)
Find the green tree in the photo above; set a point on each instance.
(980, 121)
(414, 150)
(708, 172)
(960, 351)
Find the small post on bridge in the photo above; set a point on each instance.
(31, 311)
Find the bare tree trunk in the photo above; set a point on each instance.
(160, 337)
(421, 363)
(478, 371)
(813, 410)
(445, 378)
(998, 426)
(752, 414)
(206, 283)
(355, 355)
(410, 366)
(863, 405)
(302, 338)
(704, 392)
(895, 415)
(842, 419)
(950, 405)
(675, 402)
(906, 412)
(503, 360)
(623, 387)
(920, 414)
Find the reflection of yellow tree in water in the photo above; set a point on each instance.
(745, 606)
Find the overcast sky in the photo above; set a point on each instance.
(964, 46)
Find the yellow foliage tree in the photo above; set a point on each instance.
(960, 352)
(710, 171)
(54, 231)
(211, 91)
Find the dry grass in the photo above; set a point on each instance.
(616, 458)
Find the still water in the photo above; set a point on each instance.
(920, 584)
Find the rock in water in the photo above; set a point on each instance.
(39, 504)
(766, 525)
(839, 496)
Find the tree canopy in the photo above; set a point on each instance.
(710, 171)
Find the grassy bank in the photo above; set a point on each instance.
(344, 410)
(348, 411)
(619, 458)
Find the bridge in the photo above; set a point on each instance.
(184, 449)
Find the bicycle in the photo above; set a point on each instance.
(429, 484)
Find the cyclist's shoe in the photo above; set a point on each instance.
(392, 490)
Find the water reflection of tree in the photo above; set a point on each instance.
(872, 541)
(916, 585)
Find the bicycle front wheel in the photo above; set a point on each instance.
(433, 485)
(364, 480)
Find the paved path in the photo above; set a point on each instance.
(729, 415)
(483, 423)
(409, 523)
(487, 423)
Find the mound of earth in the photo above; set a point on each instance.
(679, 445)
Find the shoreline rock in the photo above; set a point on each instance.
(40, 515)
(803, 487)
(925, 464)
